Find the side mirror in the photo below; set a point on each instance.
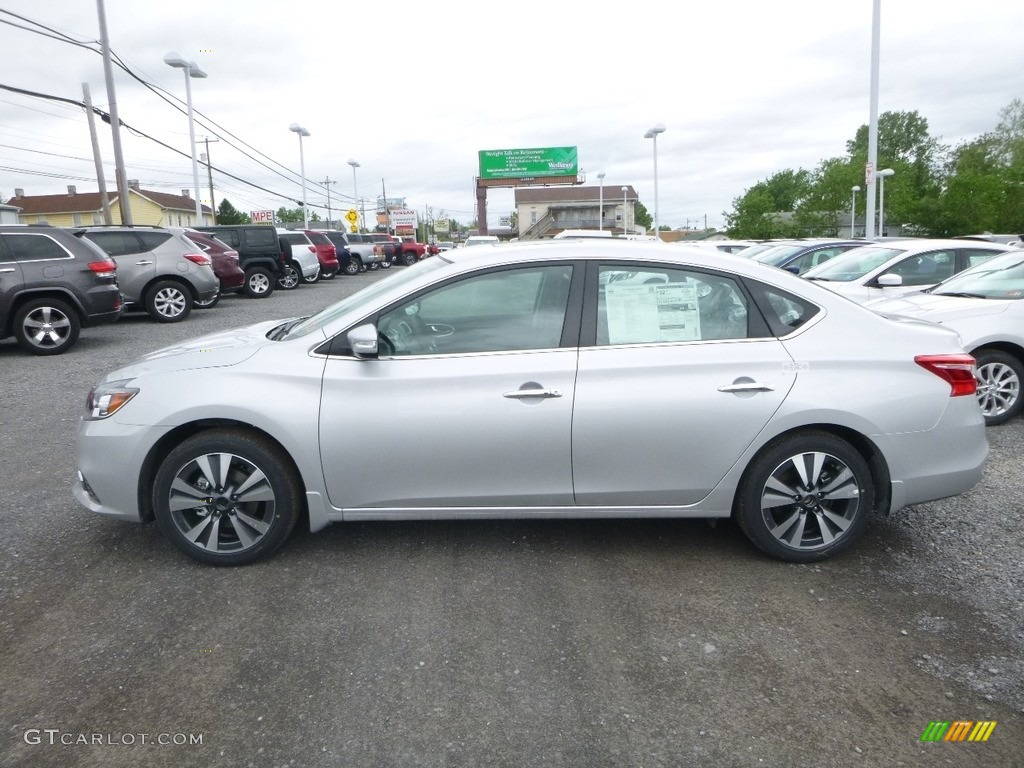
(363, 340)
(889, 280)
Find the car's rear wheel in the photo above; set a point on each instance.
(259, 283)
(806, 497)
(385, 263)
(46, 326)
(290, 277)
(352, 268)
(168, 301)
(999, 379)
(226, 497)
(408, 259)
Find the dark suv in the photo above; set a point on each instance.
(259, 254)
(51, 284)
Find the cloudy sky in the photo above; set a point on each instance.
(413, 91)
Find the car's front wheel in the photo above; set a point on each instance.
(805, 498)
(408, 259)
(290, 277)
(46, 326)
(168, 301)
(999, 379)
(226, 497)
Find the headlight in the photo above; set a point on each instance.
(107, 399)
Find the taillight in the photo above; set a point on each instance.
(103, 268)
(199, 258)
(958, 370)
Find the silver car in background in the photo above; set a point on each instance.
(985, 306)
(158, 270)
(890, 269)
(529, 381)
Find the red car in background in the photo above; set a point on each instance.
(225, 264)
(326, 254)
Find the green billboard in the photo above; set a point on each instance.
(528, 163)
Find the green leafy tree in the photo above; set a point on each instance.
(228, 214)
(768, 209)
(641, 216)
(289, 215)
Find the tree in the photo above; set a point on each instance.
(767, 209)
(289, 215)
(228, 214)
(641, 217)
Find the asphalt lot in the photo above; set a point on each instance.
(523, 643)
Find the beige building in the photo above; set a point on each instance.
(82, 209)
(545, 211)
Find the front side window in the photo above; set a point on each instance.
(515, 309)
(926, 268)
(645, 305)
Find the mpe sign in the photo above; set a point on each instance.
(262, 217)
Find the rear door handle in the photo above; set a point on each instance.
(519, 394)
(2, 271)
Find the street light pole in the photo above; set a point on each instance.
(355, 189)
(624, 209)
(882, 176)
(296, 128)
(600, 203)
(853, 211)
(653, 134)
(191, 69)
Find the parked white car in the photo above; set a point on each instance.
(894, 268)
(306, 263)
(985, 305)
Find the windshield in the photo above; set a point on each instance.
(753, 250)
(999, 278)
(365, 296)
(778, 255)
(853, 264)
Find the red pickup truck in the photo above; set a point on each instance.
(412, 251)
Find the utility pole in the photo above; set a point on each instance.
(115, 122)
(387, 212)
(209, 173)
(104, 199)
(327, 182)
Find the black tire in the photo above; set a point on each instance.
(259, 282)
(224, 527)
(999, 381)
(385, 263)
(353, 266)
(805, 497)
(290, 277)
(408, 259)
(327, 275)
(46, 326)
(168, 301)
(210, 304)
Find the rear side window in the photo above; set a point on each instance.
(783, 311)
(295, 239)
(320, 239)
(978, 255)
(31, 247)
(151, 240)
(116, 243)
(260, 236)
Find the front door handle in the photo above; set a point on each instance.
(519, 394)
(3, 271)
(747, 386)
(144, 263)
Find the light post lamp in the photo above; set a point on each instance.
(191, 69)
(600, 203)
(624, 209)
(853, 211)
(355, 189)
(296, 128)
(882, 176)
(653, 134)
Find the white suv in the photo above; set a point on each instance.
(305, 265)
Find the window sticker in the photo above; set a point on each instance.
(652, 313)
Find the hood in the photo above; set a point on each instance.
(215, 350)
(937, 308)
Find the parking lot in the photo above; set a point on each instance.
(516, 643)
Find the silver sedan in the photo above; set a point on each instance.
(570, 379)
